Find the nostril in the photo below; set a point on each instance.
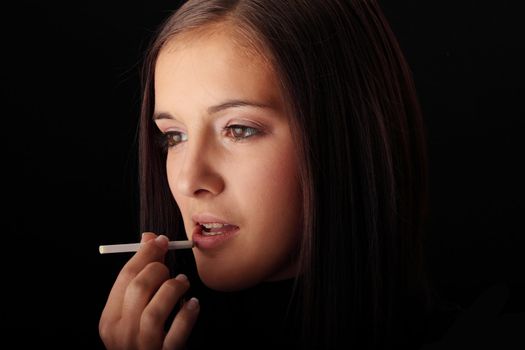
(199, 191)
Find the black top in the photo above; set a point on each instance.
(260, 318)
(255, 318)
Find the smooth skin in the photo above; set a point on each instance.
(239, 163)
(142, 299)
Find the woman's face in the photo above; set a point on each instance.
(230, 160)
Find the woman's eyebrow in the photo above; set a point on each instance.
(234, 104)
(217, 108)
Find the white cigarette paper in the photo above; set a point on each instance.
(133, 247)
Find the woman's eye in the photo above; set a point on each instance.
(239, 132)
(170, 139)
(173, 138)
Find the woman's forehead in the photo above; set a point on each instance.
(211, 68)
(243, 44)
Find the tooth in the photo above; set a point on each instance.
(212, 225)
(212, 233)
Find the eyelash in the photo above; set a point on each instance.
(167, 137)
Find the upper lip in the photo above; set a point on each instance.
(205, 218)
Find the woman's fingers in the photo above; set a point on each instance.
(153, 249)
(182, 325)
(142, 299)
(142, 288)
(159, 308)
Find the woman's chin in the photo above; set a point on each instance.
(225, 276)
(226, 281)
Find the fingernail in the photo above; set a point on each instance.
(192, 304)
(162, 241)
(144, 235)
(181, 277)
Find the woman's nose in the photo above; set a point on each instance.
(198, 173)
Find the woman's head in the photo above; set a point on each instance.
(336, 183)
(230, 157)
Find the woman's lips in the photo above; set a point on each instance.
(205, 242)
(207, 218)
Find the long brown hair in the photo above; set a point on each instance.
(357, 124)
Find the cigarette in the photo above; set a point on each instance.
(133, 247)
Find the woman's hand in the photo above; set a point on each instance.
(142, 299)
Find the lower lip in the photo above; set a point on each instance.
(211, 242)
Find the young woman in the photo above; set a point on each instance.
(285, 139)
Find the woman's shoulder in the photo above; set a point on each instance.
(423, 321)
(436, 321)
(484, 322)
(440, 319)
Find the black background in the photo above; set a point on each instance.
(70, 102)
